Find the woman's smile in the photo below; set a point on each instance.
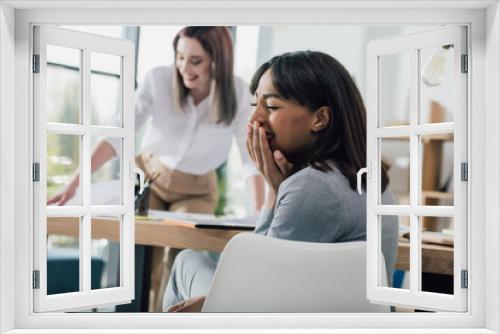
(190, 78)
(271, 139)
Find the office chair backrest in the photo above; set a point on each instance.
(262, 274)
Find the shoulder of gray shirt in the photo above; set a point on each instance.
(329, 195)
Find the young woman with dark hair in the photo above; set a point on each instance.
(307, 137)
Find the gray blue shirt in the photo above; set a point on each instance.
(317, 206)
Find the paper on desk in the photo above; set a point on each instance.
(103, 193)
(206, 220)
(437, 238)
(191, 217)
(432, 237)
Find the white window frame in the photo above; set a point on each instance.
(16, 18)
(85, 43)
(411, 44)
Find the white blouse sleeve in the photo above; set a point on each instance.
(143, 105)
(240, 127)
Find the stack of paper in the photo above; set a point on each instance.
(206, 220)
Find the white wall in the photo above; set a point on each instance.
(492, 198)
(7, 168)
(345, 43)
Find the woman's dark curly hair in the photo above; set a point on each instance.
(314, 80)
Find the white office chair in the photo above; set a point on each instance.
(262, 274)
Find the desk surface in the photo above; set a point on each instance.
(436, 259)
(166, 233)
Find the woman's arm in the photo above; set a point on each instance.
(102, 153)
(105, 150)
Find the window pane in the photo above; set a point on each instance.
(437, 169)
(107, 180)
(437, 254)
(63, 161)
(63, 84)
(395, 152)
(245, 60)
(106, 89)
(436, 84)
(63, 255)
(396, 265)
(105, 265)
(394, 89)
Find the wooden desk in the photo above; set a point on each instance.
(436, 259)
(167, 233)
(160, 234)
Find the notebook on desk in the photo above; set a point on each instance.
(247, 223)
(206, 221)
(431, 237)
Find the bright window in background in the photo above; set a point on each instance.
(155, 48)
(245, 64)
(245, 51)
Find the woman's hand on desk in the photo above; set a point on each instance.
(272, 165)
(190, 305)
(65, 194)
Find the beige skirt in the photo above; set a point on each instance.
(177, 191)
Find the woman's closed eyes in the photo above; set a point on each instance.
(196, 61)
(272, 108)
(192, 61)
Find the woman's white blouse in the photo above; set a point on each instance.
(187, 140)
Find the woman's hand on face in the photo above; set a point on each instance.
(272, 165)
